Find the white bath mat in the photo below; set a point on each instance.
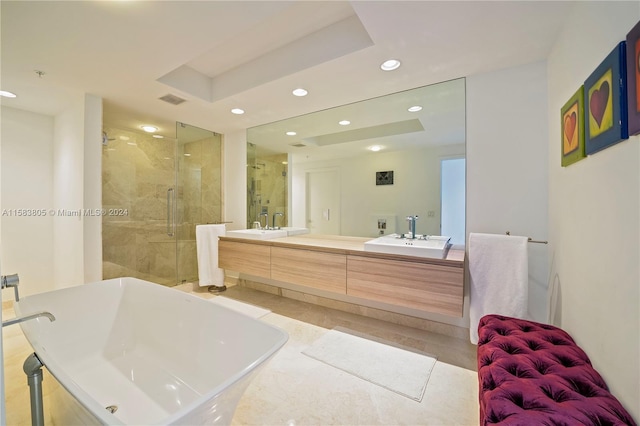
(245, 308)
(397, 370)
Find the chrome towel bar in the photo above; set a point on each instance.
(531, 240)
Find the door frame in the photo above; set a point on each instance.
(336, 174)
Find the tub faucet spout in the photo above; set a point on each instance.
(29, 317)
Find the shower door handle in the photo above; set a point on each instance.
(169, 211)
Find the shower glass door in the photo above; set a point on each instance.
(161, 188)
(198, 193)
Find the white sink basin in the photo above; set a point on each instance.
(257, 234)
(292, 230)
(433, 246)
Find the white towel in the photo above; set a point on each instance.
(498, 265)
(207, 248)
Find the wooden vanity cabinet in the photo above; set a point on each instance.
(320, 270)
(334, 265)
(249, 258)
(428, 287)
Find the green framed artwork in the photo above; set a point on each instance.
(572, 116)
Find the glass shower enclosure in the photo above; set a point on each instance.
(161, 188)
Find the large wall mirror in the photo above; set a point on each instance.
(361, 169)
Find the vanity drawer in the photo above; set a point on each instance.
(428, 287)
(247, 258)
(324, 271)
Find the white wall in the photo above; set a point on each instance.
(77, 186)
(416, 190)
(594, 212)
(52, 163)
(68, 178)
(235, 179)
(92, 189)
(507, 164)
(26, 169)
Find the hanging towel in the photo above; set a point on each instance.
(498, 265)
(207, 248)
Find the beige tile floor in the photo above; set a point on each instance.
(453, 384)
(454, 351)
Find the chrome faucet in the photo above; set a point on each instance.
(412, 226)
(29, 317)
(274, 220)
(256, 225)
(266, 220)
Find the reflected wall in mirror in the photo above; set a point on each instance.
(334, 156)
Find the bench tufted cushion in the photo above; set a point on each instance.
(534, 374)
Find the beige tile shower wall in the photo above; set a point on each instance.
(137, 170)
(201, 183)
(212, 181)
(199, 191)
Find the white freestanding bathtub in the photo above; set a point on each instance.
(161, 356)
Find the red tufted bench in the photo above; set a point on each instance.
(535, 374)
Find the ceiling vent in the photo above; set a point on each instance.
(172, 99)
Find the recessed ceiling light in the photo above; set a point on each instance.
(123, 138)
(344, 122)
(7, 94)
(158, 136)
(291, 133)
(300, 92)
(285, 162)
(132, 143)
(187, 155)
(237, 111)
(375, 148)
(415, 108)
(149, 129)
(390, 65)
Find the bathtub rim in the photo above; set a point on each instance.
(95, 408)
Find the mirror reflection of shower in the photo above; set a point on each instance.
(267, 192)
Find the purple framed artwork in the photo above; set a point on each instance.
(572, 124)
(605, 102)
(633, 79)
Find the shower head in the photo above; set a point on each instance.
(106, 139)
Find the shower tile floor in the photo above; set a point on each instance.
(293, 390)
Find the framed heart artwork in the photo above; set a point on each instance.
(633, 79)
(605, 102)
(572, 124)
